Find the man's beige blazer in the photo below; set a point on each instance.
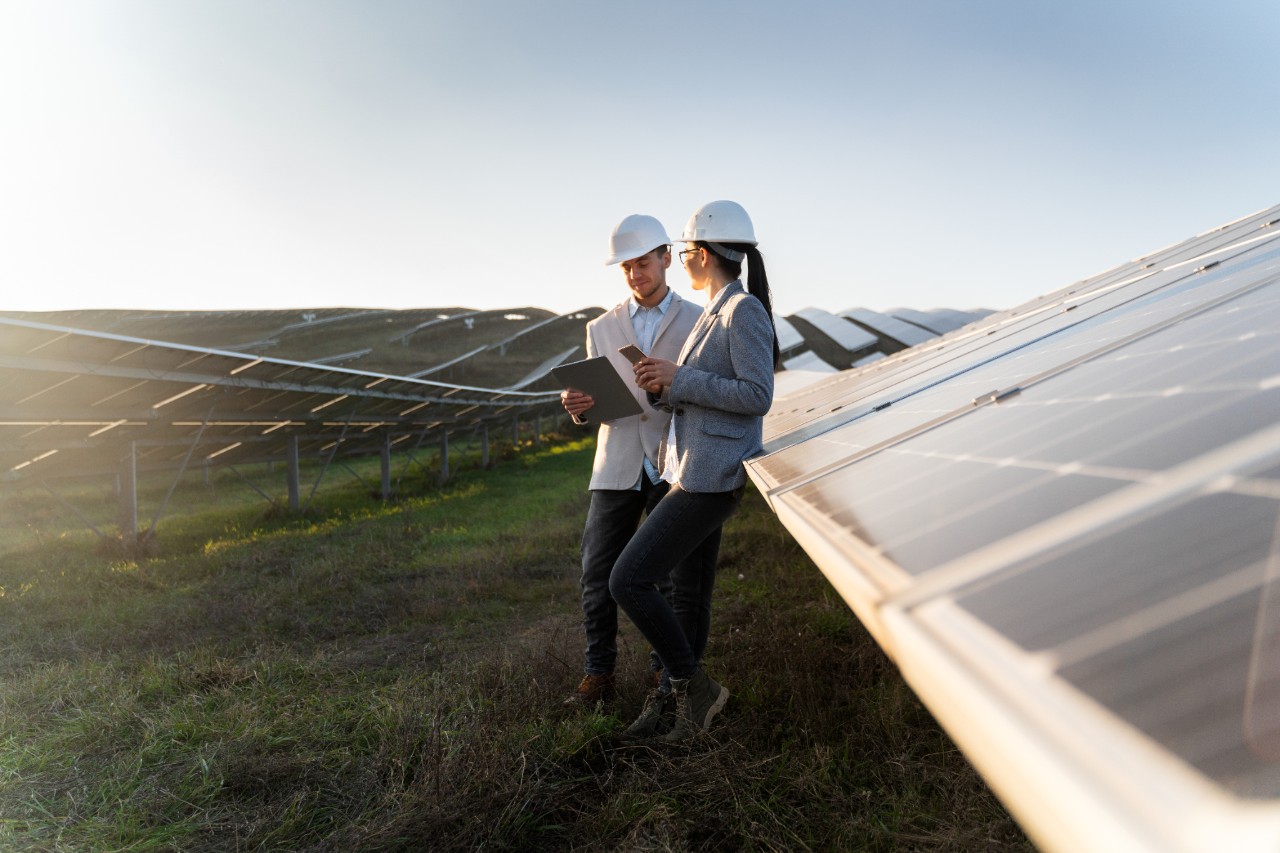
(622, 444)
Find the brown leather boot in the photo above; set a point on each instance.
(592, 689)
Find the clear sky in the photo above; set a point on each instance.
(215, 154)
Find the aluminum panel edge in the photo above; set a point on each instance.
(1074, 776)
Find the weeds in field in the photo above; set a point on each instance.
(388, 677)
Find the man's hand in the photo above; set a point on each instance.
(575, 402)
(654, 373)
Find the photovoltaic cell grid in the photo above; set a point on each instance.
(1113, 420)
(853, 394)
(1082, 493)
(885, 325)
(70, 400)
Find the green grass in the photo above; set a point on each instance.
(387, 677)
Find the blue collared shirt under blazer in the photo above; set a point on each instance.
(720, 393)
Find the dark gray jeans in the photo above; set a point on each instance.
(681, 538)
(612, 519)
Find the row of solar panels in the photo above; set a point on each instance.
(458, 335)
(71, 399)
(411, 342)
(1063, 522)
(813, 339)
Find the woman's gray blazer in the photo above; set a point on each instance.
(720, 393)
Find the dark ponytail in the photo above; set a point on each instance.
(757, 281)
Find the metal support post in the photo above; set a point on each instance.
(444, 456)
(295, 490)
(386, 467)
(484, 446)
(129, 495)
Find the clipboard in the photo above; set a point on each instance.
(597, 377)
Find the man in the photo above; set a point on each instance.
(625, 481)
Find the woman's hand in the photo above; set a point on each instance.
(652, 374)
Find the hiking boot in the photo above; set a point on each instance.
(656, 678)
(697, 699)
(592, 689)
(651, 721)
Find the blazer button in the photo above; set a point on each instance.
(679, 411)
(644, 417)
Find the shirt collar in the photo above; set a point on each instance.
(633, 306)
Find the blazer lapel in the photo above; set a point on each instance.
(699, 332)
(668, 318)
(623, 315)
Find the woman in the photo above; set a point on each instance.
(717, 392)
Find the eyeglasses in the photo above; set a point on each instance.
(685, 253)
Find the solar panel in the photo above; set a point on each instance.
(808, 361)
(71, 400)
(1062, 522)
(790, 341)
(937, 321)
(834, 339)
(884, 326)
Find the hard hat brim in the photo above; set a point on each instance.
(695, 238)
(619, 257)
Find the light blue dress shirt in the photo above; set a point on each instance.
(645, 323)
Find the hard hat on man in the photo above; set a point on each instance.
(635, 236)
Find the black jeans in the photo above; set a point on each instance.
(612, 519)
(680, 538)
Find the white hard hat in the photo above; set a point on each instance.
(636, 235)
(720, 222)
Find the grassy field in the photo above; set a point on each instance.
(387, 677)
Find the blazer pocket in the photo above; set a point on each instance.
(729, 427)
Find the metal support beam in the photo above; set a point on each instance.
(410, 458)
(354, 473)
(327, 462)
(66, 503)
(537, 430)
(484, 446)
(234, 470)
(182, 469)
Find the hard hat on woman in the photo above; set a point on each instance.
(719, 222)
